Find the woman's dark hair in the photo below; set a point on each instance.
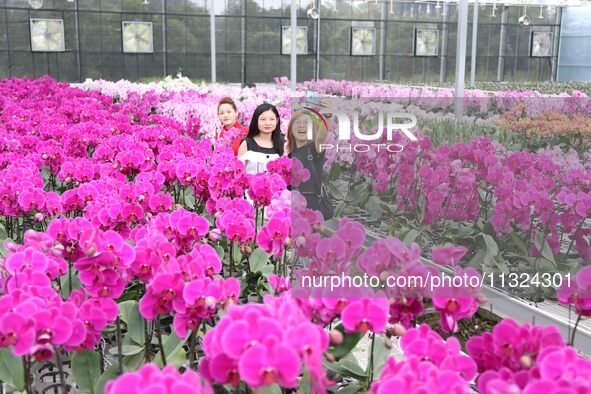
(276, 136)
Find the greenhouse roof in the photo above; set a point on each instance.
(552, 3)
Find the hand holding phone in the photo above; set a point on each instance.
(312, 98)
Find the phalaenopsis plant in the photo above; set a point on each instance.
(139, 256)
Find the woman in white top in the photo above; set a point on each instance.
(264, 142)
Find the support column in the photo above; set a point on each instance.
(555, 43)
(243, 45)
(503, 44)
(293, 59)
(382, 53)
(444, 41)
(77, 28)
(212, 40)
(165, 60)
(461, 58)
(318, 42)
(474, 45)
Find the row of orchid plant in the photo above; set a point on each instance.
(524, 211)
(131, 248)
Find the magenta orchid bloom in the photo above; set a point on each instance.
(449, 255)
(578, 293)
(150, 379)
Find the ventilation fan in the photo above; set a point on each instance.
(47, 35)
(36, 4)
(426, 42)
(301, 40)
(137, 37)
(363, 41)
(541, 44)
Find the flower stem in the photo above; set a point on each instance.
(101, 356)
(529, 233)
(256, 221)
(231, 258)
(572, 338)
(60, 368)
(28, 377)
(192, 350)
(159, 337)
(147, 340)
(119, 346)
(370, 366)
(284, 260)
(574, 236)
(69, 277)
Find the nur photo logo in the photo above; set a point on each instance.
(348, 129)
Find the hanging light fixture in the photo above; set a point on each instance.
(391, 6)
(541, 12)
(146, 2)
(524, 19)
(36, 4)
(313, 13)
(444, 12)
(438, 5)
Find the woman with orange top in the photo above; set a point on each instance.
(228, 114)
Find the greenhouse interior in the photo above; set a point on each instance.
(295, 196)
